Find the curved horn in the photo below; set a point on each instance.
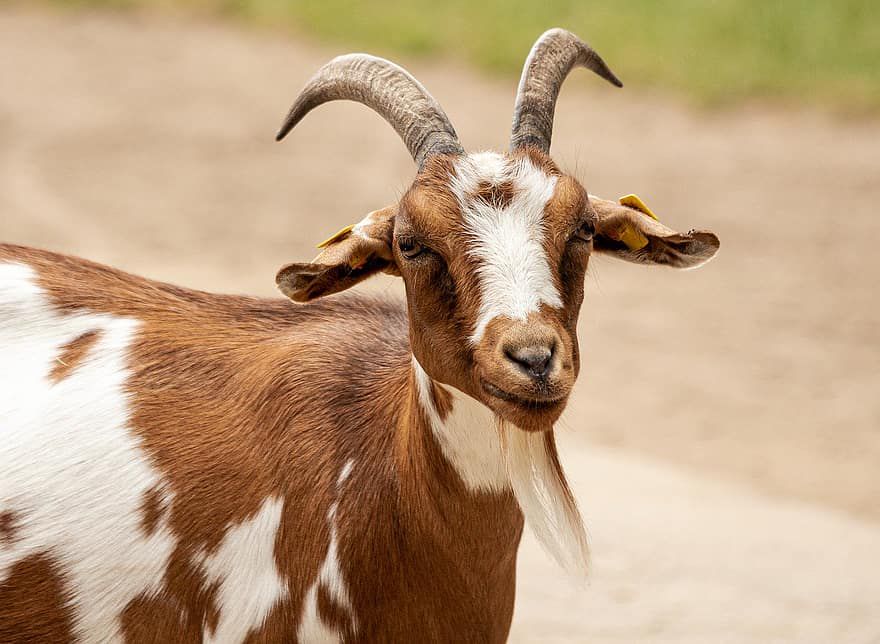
(553, 56)
(389, 90)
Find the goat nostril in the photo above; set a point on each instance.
(535, 361)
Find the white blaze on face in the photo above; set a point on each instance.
(514, 273)
(71, 470)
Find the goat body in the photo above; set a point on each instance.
(193, 463)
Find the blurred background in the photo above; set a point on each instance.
(724, 437)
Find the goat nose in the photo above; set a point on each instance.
(535, 360)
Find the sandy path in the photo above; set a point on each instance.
(725, 435)
(683, 559)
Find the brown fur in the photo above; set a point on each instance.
(334, 615)
(71, 354)
(499, 195)
(34, 605)
(8, 522)
(152, 509)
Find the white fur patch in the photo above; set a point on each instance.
(312, 628)
(344, 473)
(70, 469)
(468, 436)
(514, 273)
(490, 455)
(244, 567)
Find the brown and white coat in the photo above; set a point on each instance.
(179, 466)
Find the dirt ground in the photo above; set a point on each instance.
(724, 439)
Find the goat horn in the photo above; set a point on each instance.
(553, 56)
(389, 90)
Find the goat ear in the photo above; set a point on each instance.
(627, 229)
(348, 257)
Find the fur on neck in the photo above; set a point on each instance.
(492, 455)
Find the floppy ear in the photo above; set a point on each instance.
(627, 229)
(351, 255)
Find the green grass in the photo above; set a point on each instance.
(714, 51)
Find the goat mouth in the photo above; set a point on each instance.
(537, 404)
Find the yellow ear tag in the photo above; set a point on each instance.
(336, 237)
(633, 201)
(630, 236)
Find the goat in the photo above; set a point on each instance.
(179, 466)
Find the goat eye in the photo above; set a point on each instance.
(585, 231)
(409, 247)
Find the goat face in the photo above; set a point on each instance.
(493, 249)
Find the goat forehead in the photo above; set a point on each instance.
(474, 168)
(477, 172)
(506, 236)
(501, 200)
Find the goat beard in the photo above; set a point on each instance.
(544, 496)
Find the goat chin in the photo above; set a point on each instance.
(543, 494)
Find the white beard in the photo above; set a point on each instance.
(542, 492)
